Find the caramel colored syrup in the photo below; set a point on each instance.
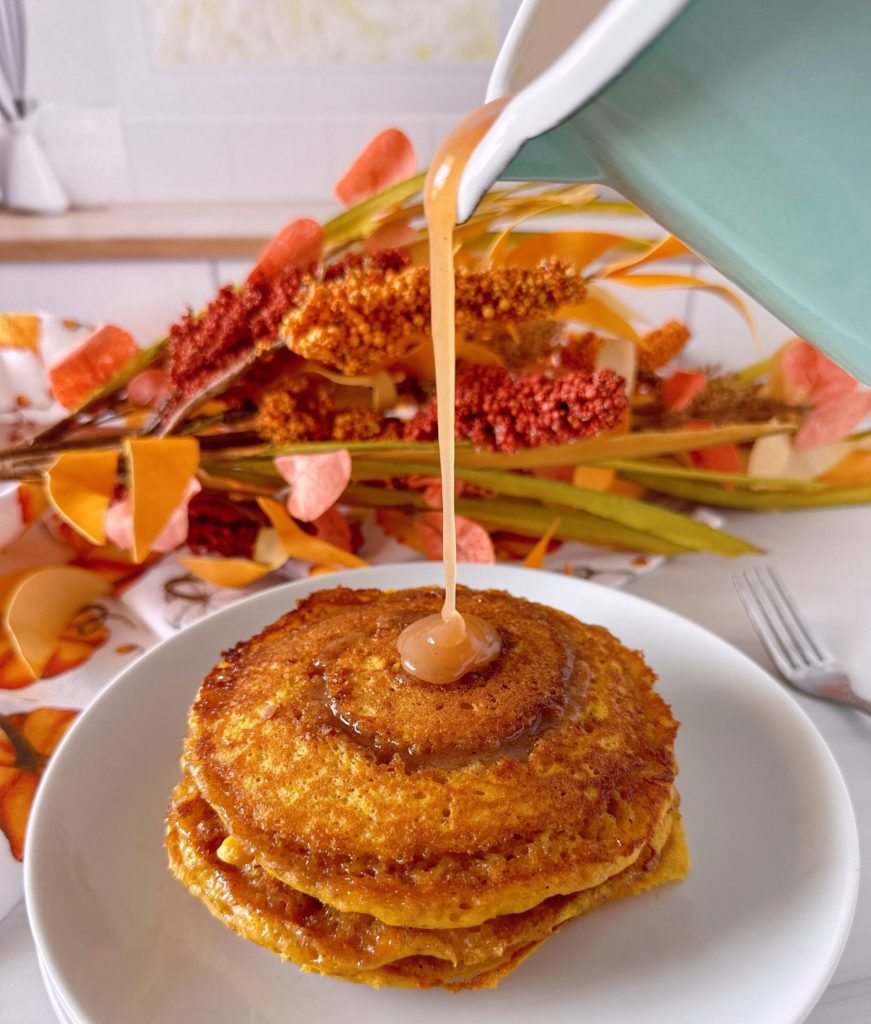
(442, 648)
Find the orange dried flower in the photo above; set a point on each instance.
(368, 316)
(303, 408)
(579, 353)
(661, 346)
(502, 411)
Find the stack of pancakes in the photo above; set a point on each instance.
(374, 827)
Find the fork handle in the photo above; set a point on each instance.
(859, 703)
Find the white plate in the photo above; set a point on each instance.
(54, 997)
(752, 935)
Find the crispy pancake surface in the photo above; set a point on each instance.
(358, 947)
(433, 807)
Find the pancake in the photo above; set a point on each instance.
(358, 947)
(547, 772)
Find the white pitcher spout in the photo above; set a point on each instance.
(551, 82)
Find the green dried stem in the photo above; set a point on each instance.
(523, 518)
(637, 515)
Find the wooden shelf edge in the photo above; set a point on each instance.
(74, 249)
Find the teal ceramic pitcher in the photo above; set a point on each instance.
(743, 126)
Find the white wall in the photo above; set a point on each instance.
(267, 126)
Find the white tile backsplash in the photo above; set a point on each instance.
(240, 131)
(180, 160)
(278, 159)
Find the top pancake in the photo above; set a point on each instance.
(545, 772)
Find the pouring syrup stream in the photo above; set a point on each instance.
(442, 648)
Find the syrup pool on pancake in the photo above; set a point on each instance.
(444, 647)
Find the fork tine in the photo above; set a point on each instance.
(759, 619)
(790, 636)
(819, 650)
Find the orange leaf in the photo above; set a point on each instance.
(665, 249)
(474, 543)
(853, 470)
(578, 247)
(269, 555)
(719, 458)
(299, 544)
(40, 606)
(119, 523)
(685, 281)
(679, 390)
(387, 159)
(316, 481)
(598, 312)
(298, 244)
(97, 359)
(594, 478)
(225, 572)
(535, 558)
(80, 486)
(626, 488)
(321, 570)
(160, 471)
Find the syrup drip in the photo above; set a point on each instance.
(443, 648)
(440, 650)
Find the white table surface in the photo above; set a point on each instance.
(825, 557)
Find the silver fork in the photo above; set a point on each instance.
(800, 656)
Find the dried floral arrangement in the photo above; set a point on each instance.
(296, 407)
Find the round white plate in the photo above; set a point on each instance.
(752, 935)
(54, 996)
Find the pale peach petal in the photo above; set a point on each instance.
(175, 533)
(833, 419)
(119, 523)
(812, 375)
(316, 481)
(391, 236)
(149, 388)
(474, 544)
(334, 528)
